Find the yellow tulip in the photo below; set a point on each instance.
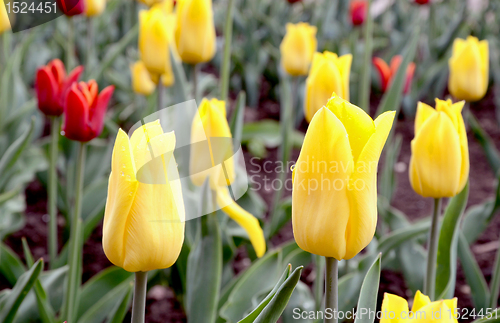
(395, 310)
(154, 40)
(469, 65)
(298, 47)
(4, 18)
(439, 165)
(151, 3)
(195, 31)
(142, 82)
(334, 197)
(94, 7)
(144, 218)
(211, 147)
(329, 73)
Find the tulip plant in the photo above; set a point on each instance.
(155, 140)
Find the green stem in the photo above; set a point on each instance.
(90, 43)
(364, 85)
(75, 242)
(52, 190)
(70, 46)
(332, 288)
(430, 277)
(226, 61)
(194, 79)
(139, 302)
(318, 287)
(2, 53)
(160, 89)
(495, 282)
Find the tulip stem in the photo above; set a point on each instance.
(430, 277)
(194, 79)
(52, 190)
(319, 263)
(139, 302)
(70, 45)
(226, 60)
(90, 43)
(161, 95)
(332, 289)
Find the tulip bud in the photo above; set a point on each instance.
(395, 309)
(211, 158)
(141, 79)
(334, 197)
(71, 7)
(298, 47)
(143, 225)
(329, 73)
(4, 18)
(294, 1)
(387, 73)
(469, 65)
(94, 7)
(195, 31)
(51, 86)
(358, 10)
(421, 2)
(84, 110)
(439, 165)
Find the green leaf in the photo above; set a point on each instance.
(226, 60)
(369, 291)
(365, 82)
(302, 299)
(118, 313)
(4, 197)
(388, 176)
(491, 317)
(268, 131)
(447, 248)
(473, 275)
(180, 86)
(204, 272)
(11, 266)
(236, 122)
(391, 101)
(486, 143)
(15, 150)
(399, 236)
(10, 304)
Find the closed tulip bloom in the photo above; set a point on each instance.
(51, 86)
(395, 310)
(422, 2)
(387, 73)
(154, 40)
(71, 7)
(84, 110)
(298, 47)
(439, 165)
(94, 7)
(142, 82)
(4, 18)
(195, 31)
(358, 11)
(211, 147)
(329, 73)
(469, 68)
(144, 218)
(334, 197)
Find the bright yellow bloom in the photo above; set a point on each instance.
(144, 218)
(439, 165)
(94, 7)
(4, 18)
(469, 65)
(142, 82)
(298, 47)
(195, 31)
(155, 39)
(151, 3)
(395, 310)
(334, 197)
(329, 73)
(211, 157)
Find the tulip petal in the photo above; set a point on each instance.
(394, 309)
(99, 109)
(344, 65)
(434, 171)
(384, 72)
(420, 301)
(72, 78)
(362, 190)
(424, 112)
(434, 312)
(141, 142)
(76, 116)
(246, 220)
(320, 205)
(141, 79)
(46, 91)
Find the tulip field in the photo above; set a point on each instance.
(225, 161)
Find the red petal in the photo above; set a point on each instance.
(409, 76)
(395, 62)
(358, 10)
(72, 78)
(46, 92)
(76, 116)
(58, 70)
(99, 110)
(384, 72)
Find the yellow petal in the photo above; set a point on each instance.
(141, 79)
(344, 65)
(94, 7)
(297, 48)
(320, 205)
(394, 309)
(4, 18)
(154, 40)
(362, 190)
(434, 312)
(436, 161)
(246, 220)
(195, 31)
(424, 112)
(420, 301)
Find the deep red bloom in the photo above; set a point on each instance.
(358, 10)
(294, 1)
(71, 7)
(386, 73)
(422, 1)
(51, 86)
(84, 110)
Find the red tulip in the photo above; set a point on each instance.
(358, 10)
(387, 73)
(51, 86)
(422, 1)
(294, 1)
(84, 110)
(71, 7)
